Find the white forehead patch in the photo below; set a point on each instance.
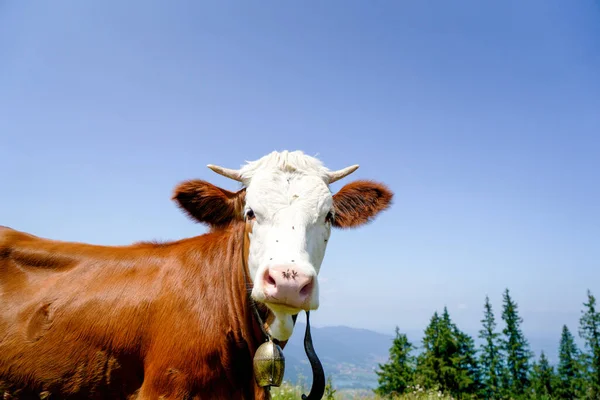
(273, 192)
(280, 181)
(285, 161)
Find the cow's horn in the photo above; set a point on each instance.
(229, 173)
(341, 173)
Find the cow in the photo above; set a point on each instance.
(174, 320)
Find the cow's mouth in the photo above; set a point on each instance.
(282, 308)
(285, 305)
(280, 303)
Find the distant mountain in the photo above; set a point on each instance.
(349, 355)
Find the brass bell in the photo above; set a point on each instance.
(269, 364)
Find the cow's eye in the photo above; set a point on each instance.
(329, 217)
(250, 214)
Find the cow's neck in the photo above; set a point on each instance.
(248, 329)
(244, 332)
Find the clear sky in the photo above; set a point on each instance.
(483, 117)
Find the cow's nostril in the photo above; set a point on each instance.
(271, 281)
(306, 289)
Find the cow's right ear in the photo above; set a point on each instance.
(208, 203)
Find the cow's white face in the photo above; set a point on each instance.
(289, 211)
(291, 215)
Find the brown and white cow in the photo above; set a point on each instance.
(173, 320)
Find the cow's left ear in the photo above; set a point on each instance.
(208, 203)
(359, 202)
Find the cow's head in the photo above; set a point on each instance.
(289, 211)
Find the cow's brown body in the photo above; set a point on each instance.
(140, 321)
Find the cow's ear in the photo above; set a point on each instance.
(208, 203)
(359, 202)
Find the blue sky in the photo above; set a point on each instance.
(483, 117)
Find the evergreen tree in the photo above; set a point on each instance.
(569, 383)
(395, 376)
(543, 379)
(448, 361)
(516, 349)
(430, 362)
(589, 330)
(490, 359)
(467, 364)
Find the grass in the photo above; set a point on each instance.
(287, 392)
(294, 392)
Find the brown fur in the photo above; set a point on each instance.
(208, 203)
(359, 202)
(141, 321)
(145, 321)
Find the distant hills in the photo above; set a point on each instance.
(349, 355)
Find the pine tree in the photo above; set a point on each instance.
(467, 364)
(431, 361)
(448, 361)
(542, 379)
(490, 360)
(569, 383)
(589, 330)
(516, 349)
(395, 376)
